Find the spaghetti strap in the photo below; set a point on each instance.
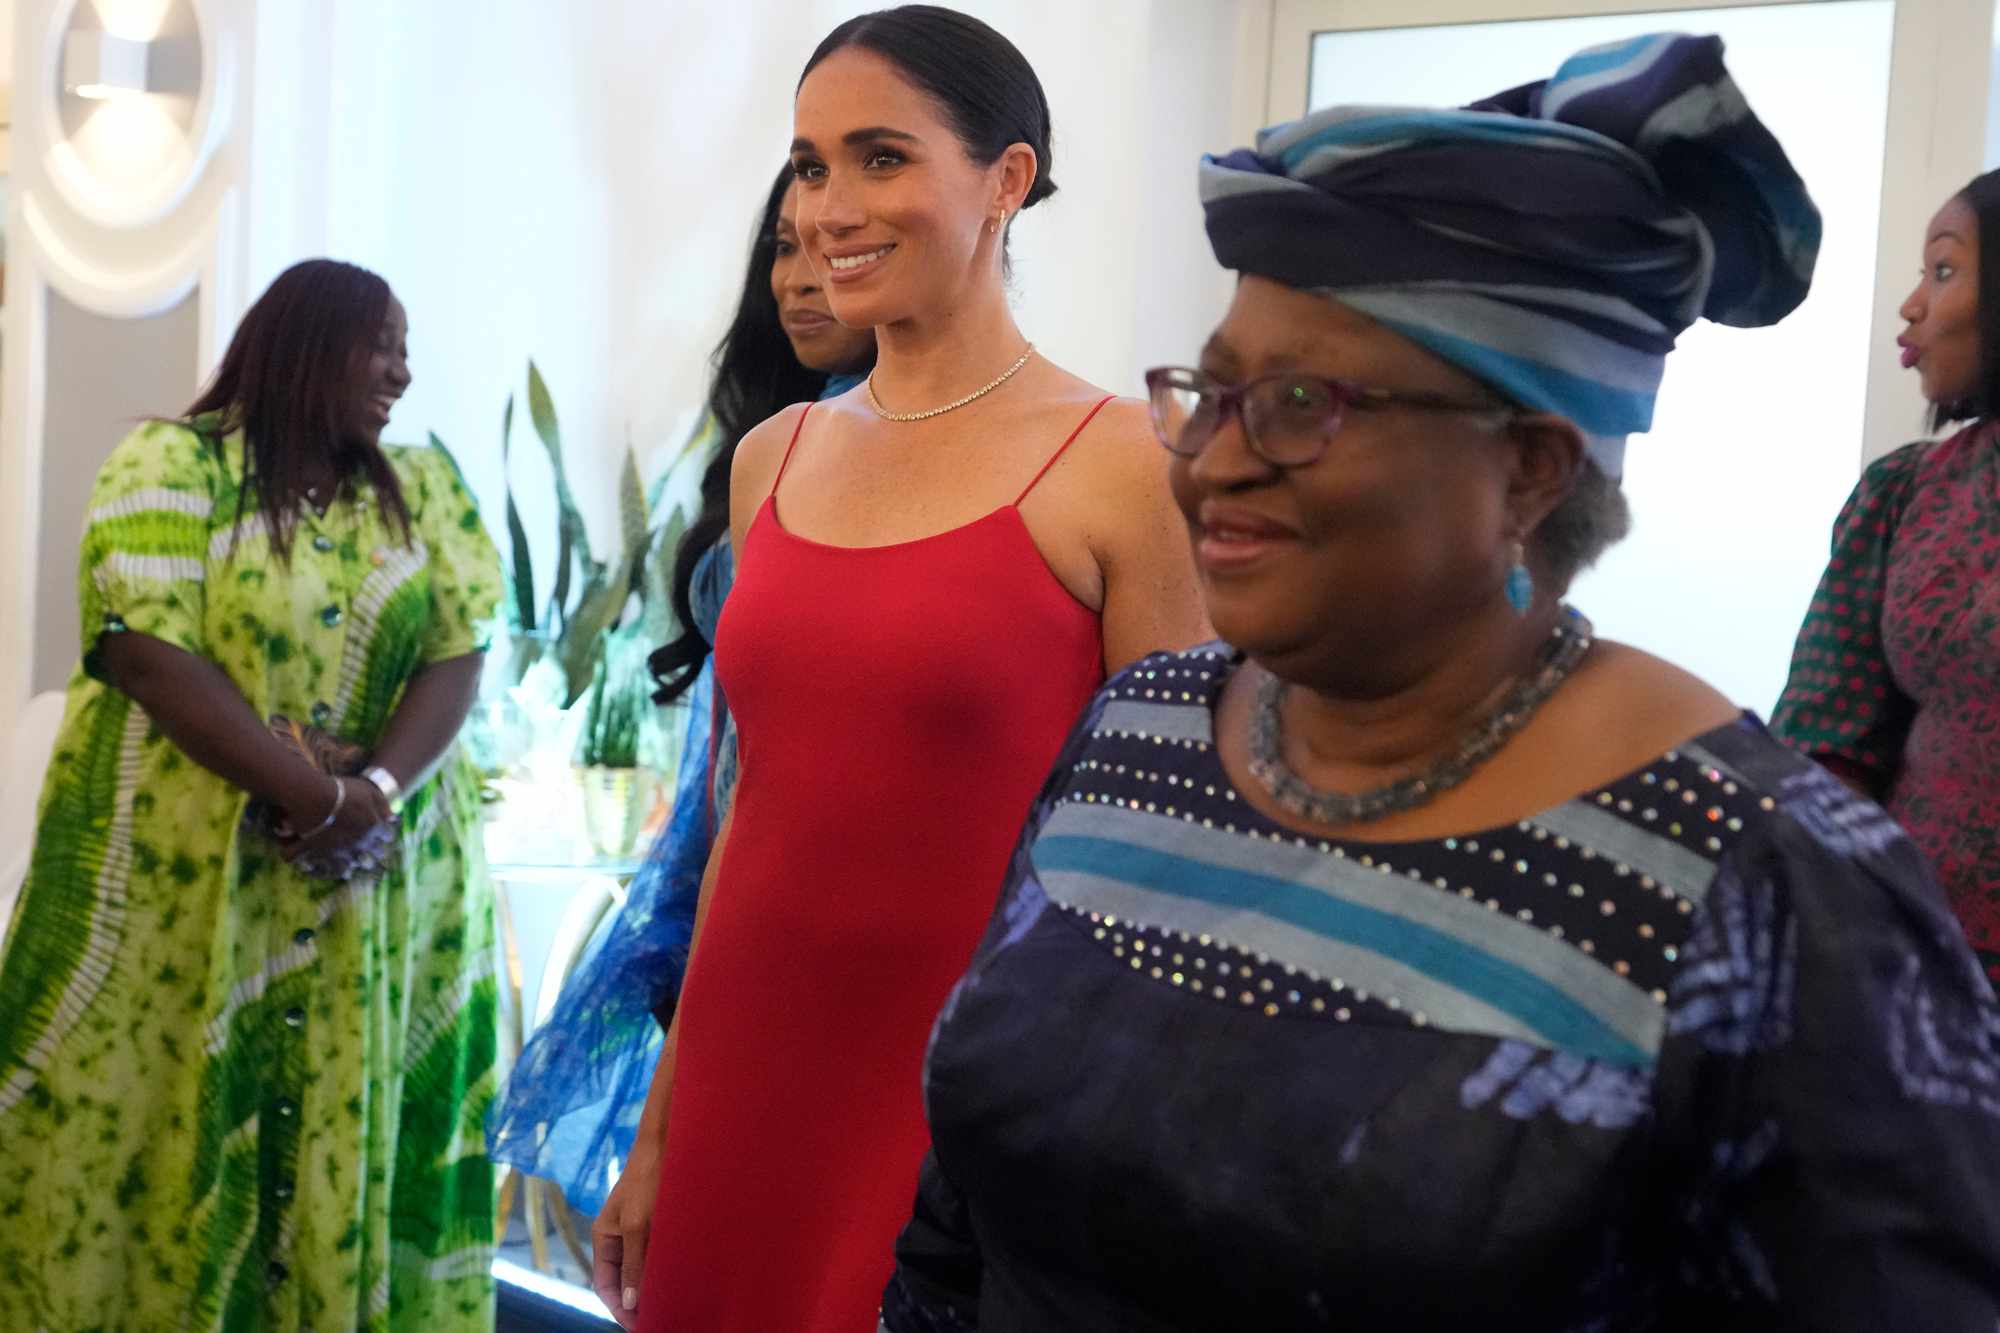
(787, 460)
(1057, 455)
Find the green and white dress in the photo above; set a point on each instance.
(232, 1097)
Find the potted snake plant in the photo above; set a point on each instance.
(566, 690)
(618, 791)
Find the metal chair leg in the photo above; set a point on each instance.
(510, 1185)
(567, 1226)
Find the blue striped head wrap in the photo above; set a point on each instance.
(1552, 240)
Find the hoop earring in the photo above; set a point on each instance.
(1520, 584)
(993, 227)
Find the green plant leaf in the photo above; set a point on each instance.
(590, 743)
(620, 737)
(572, 537)
(542, 409)
(632, 511)
(616, 711)
(569, 535)
(523, 571)
(526, 651)
(701, 442)
(577, 653)
(597, 608)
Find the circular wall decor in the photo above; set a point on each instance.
(128, 161)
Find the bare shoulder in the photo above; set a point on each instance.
(763, 449)
(1113, 465)
(1123, 434)
(1656, 704)
(758, 457)
(1114, 442)
(1114, 474)
(1112, 488)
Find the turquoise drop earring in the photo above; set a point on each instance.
(1520, 583)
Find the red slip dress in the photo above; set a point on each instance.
(897, 709)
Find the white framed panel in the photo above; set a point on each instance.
(1294, 24)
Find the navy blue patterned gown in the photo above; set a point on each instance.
(1702, 1049)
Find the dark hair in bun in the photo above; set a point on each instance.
(985, 86)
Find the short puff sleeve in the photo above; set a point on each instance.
(143, 565)
(466, 581)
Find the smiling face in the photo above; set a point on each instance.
(892, 213)
(1405, 521)
(1942, 313)
(384, 379)
(819, 341)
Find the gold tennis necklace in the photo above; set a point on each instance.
(976, 394)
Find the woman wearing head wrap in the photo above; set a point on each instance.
(1892, 683)
(1411, 959)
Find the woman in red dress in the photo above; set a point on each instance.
(935, 571)
(1895, 683)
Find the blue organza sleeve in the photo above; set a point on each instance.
(571, 1109)
(714, 575)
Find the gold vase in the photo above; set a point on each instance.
(616, 802)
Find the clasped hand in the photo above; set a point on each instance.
(360, 831)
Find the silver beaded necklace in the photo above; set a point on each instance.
(1567, 643)
(887, 415)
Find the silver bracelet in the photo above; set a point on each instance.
(385, 782)
(339, 799)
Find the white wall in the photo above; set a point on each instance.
(105, 374)
(1990, 156)
(577, 184)
(6, 88)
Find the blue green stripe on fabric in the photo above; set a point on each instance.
(1170, 721)
(1682, 872)
(1465, 967)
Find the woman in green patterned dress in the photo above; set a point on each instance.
(233, 1096)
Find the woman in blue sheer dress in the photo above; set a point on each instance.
(570, 1110)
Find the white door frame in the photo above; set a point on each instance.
(1934, 142)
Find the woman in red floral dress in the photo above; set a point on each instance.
(1895, 683)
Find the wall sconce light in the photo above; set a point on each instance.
(98, 65)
